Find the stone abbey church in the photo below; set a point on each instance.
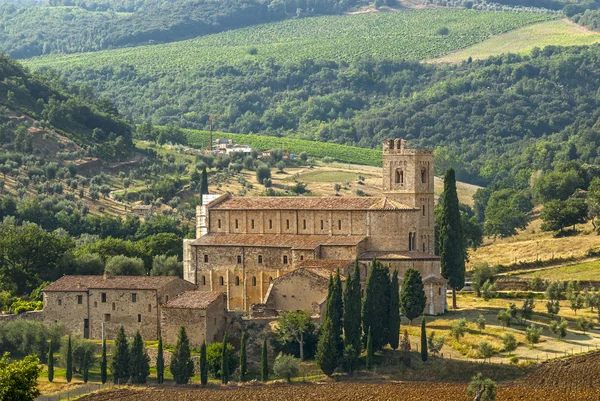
(279, 251)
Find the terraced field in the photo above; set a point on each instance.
(410, 34)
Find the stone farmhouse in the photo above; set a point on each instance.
(245, 246)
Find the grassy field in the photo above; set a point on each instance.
(522, 40)
(578, 271)
(410, 34)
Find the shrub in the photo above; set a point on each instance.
(214, 352)
(509, 341)
(533, 334)
(285, 367)
(485, 350)
(459, 328)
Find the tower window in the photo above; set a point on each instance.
(252, 224)
(304, 224)
(221, 281)
(423, 210)
(254, 281)
(339, 224)
(287, 224)
(399, 176)
(270, 224)
(236, 224)
(203, 280)
(237, 281)
(423, 175)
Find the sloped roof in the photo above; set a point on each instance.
(309, 203)
(294, 241)
(193, 300)
(83, 283)
(398, 255)
(434, 280)
(330, 264)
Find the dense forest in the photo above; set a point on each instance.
(69, 26)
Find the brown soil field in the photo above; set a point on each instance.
(576, 378)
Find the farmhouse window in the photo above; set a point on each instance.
(260, 259)
(133, 297)
(103, 297)
(79, 299)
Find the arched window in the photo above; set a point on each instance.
(423, 210)
(423, 247)
(399, 176)
(423, 175)
(414, 242)
(203, 280)
(254, 281)
(259, 259)
(221, 281)
(410, 241)
(237, 281)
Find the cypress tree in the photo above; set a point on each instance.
(103, 364)
(423, 341)
(86, 366)
(182, 366)
(376, 304)
(335, 309)
(352, 305)
(50, 362)
(264, 368)
(160, 362)
(412, 295)
(327, 355)
(243, 358)
(139, 364)
(204, 182)
(203, 365)
(370, 353)
(394, 318)
(69, 373)
(451, 242)
(120, 360)
(224, 362)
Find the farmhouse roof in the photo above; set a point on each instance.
(83, 283)
(294, 241)
(193, 300)
(309, 203)
(398, 255)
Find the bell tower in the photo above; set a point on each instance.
(408, 179)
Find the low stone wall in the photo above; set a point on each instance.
(36, 316)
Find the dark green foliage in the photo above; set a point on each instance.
(298, 329)
(19, 378)
(376, 304)
(120, 358)
(264, 362)
(394, 319)
(451, 242)
(69, 363)
(203, 365)
(103, 364)
(160, 362)
(139, 362)
(50, 362)
(423, 341)
(557, 214)
(412, 295)
(352, 310)
(204, 182)
(350, 359)
(214, 359)
(224, 361)
(327, 353)
(86, 367)
(370, 351)
(335, 309)
(182, 366)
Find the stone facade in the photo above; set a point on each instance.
(90, 304)
(244, 244)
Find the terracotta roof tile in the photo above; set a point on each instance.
(193, 300)
(332, 264)
(309, 203)
(398, 255)
(83, 283)
(293, 241)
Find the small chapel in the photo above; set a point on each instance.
(246, 247)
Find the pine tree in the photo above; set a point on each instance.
(264, 368)
(69, 373)
(352, 305)
(412, 295)
(103, 364)
(203, 365)
(160, 362)
(139, 365)
(423, 341)
(120, 360)
(224, 362)
(370, 353)
(182, 366)
(86, 366)
(243, 358)
(376, 304)
(204, 182)
(327, 355)
(50, 362)
(451, 242)
(394, 319)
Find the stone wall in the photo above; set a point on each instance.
(298, 290)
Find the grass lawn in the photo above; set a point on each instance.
(580, 271)
(522, 40)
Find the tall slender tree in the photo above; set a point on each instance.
(204, 182)
(376, 304)
(352, 305)
(370, 353)
(451, 242)
(139, 363)
(120, 360)
(424, 353)
(264, 363)
(182, 366)
(160, 362)
(335, 309)
(50, 362)
(69, 372)
(203, 365)
(394, 318)
(327, 354)
(224, 362)
(412, 295)
(243, 358)
(86, 366)
(103, 364)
